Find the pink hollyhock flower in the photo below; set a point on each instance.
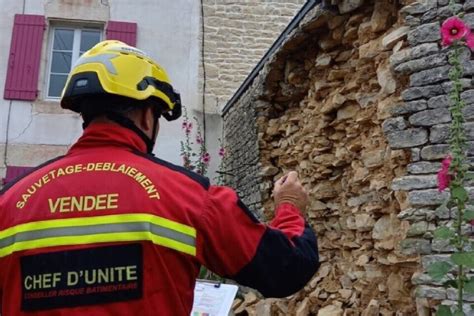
(188, 127)
(444, 178)
(206, 158)
(470, 41)
(453, 29)
(222, 152)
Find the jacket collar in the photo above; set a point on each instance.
(108, 135)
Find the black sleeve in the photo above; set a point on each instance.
(279, 268)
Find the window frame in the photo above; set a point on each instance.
(76, 46)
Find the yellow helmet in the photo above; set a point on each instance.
(113, 67)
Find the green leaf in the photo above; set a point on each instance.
(459, 193)
(469, 286)
(465, 259)
(468, 215)
(458, 313)
(438, 270)
(443, 233)
(451, 283)
(443, 310)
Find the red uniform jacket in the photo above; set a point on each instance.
(110, 230)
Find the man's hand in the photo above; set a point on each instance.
(289, 189)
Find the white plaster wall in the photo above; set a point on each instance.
(167, 30)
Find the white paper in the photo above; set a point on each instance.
(211, 299)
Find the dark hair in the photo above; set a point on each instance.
(95, 106)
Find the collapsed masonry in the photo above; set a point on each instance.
(355, 100)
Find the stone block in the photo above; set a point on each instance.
(441, 101)
(468, 112)
(400, 57)
(468, 5)
(430, 76)
(361, 199)
(415, 154)
(469, 19)
(395, 36)
(364, 222)
(346, 6)
(448, 85)
(468, 96)
(381, 16)
(414, 214)
(415, 246)
(430, 117)
(429, 16)
(421, 92)
(420, 64)
(440, 133)
(426, 261)
(370, 49)
(409, 107)
(407, 183)
(434, 152)
(423, 50)
(427, 197)
(385, 228)
(373, 158)
(437, 293)
(439, 245)
(418, 7)
(417, 229)
(453, 295)
(423, 167)
(394, 124)
(407, 138)
(424, 34)
(386, 80)
(470, 149)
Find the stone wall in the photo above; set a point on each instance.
(356, 100)
(420, 123)
(243, 170)
(237, 35)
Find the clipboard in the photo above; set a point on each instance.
(213, 298)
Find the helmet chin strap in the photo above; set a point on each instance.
(128, 123)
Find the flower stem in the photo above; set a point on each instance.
(458, 150)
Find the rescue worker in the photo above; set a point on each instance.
(108, 229)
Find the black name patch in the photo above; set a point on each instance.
(81, 277)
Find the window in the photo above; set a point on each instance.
(67, 45)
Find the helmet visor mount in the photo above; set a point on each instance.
(168, 90)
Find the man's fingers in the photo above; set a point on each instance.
(292, 176)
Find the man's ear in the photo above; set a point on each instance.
(146, 118)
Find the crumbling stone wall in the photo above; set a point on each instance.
(236, 36)
(319, 108)
(356, 101)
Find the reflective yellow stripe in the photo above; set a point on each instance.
(107, 219)
(99, 229)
